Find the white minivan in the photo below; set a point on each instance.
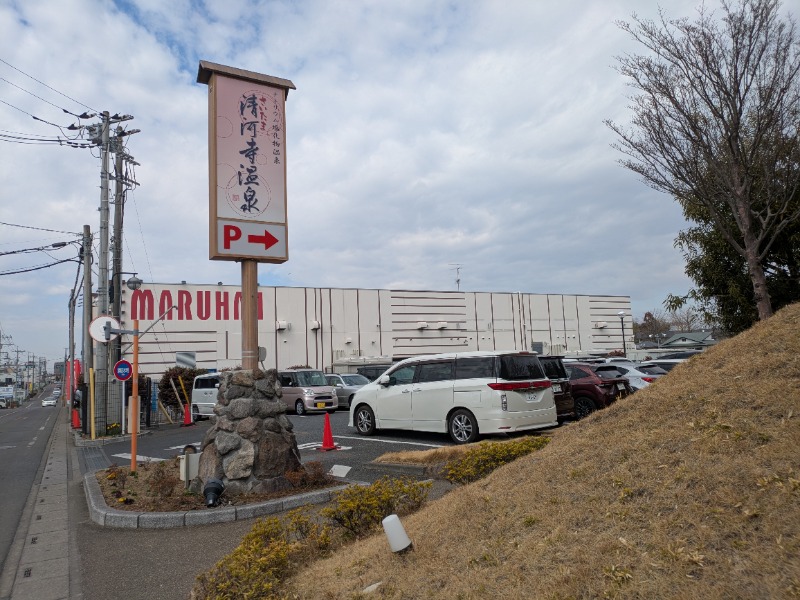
(204, 395)
(464, 394)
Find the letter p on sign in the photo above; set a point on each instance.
(230, 233)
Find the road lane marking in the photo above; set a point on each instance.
(139, 457)
(367, 439)
(311, 445)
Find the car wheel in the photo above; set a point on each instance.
(299, 408)
(583, 407)
(463, 427)
(365, 420)
(195, 413)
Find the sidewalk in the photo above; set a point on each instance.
(60, 552)
(43, 562)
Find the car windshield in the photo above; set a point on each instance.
(610, 372)
(520, 366)
(311, 378)
(355, 380)
(553, 367)
(652, 370)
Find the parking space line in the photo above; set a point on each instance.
(368, 439)
(139, 458)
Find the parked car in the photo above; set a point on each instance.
(51, 401)
(372, 372)
(681, 354)
(463, 394)
(592, 392)
(637, 377)
(307, 390)
(204, 395)
(665, 364)
(346, 385)
(562, 390)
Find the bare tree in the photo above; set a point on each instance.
(716, 120)
(685, 319)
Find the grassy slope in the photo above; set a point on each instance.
(688, 489)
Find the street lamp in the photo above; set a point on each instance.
(622, 324)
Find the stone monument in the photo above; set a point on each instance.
(250, 445)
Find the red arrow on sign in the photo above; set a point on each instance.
(267, 239)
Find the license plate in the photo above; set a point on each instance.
(320, 405)
(531, 396)
(557, 387)
(621, 387)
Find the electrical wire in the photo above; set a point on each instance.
(40, 228)
(39, 97)
(47, 86)
(39, 268)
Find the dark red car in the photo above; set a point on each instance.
(592, 392)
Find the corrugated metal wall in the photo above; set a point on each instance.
(319, 326)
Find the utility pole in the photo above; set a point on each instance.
(88, 354)
(102, 369)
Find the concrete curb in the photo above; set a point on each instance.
(105, 516)
(81, 442)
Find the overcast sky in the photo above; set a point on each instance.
(422, 134)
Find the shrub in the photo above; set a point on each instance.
(484, 458)
(113, 429)
(164, 480)
(265, 557)
(359, 509)
(310, 474)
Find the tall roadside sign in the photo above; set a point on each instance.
(247, 179)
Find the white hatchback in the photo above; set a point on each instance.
(464, 394)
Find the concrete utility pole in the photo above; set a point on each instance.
(117, 251)
(102, 366)
(88, 355)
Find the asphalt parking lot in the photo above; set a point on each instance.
(352, 458)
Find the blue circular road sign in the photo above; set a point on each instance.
(123, 370)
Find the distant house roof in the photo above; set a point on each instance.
(692, 339)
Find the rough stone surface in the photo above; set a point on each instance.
(249, 428)
(240, 408)
(227, 441)
(250, 445)
(239, 464)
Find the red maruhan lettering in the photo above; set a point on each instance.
(143, 305)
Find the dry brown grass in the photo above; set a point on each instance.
(425, 457)
(688, 489)
(157, 487)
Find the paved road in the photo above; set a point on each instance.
(24, 434)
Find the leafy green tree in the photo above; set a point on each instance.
(722, 286)
(715, 124)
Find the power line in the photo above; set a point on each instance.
(40, 267)
(42, 99)
(39, 228)
(47, 86)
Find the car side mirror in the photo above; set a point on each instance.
(386, 380)
(216, 385)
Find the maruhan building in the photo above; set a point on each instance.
(330, 328)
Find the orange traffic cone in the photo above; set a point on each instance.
(327, 436)
(187, 416)
(76, 420)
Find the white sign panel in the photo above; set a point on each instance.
(237, 238)
(251, 151)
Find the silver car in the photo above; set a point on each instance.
(346, 385)
(638, 376)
